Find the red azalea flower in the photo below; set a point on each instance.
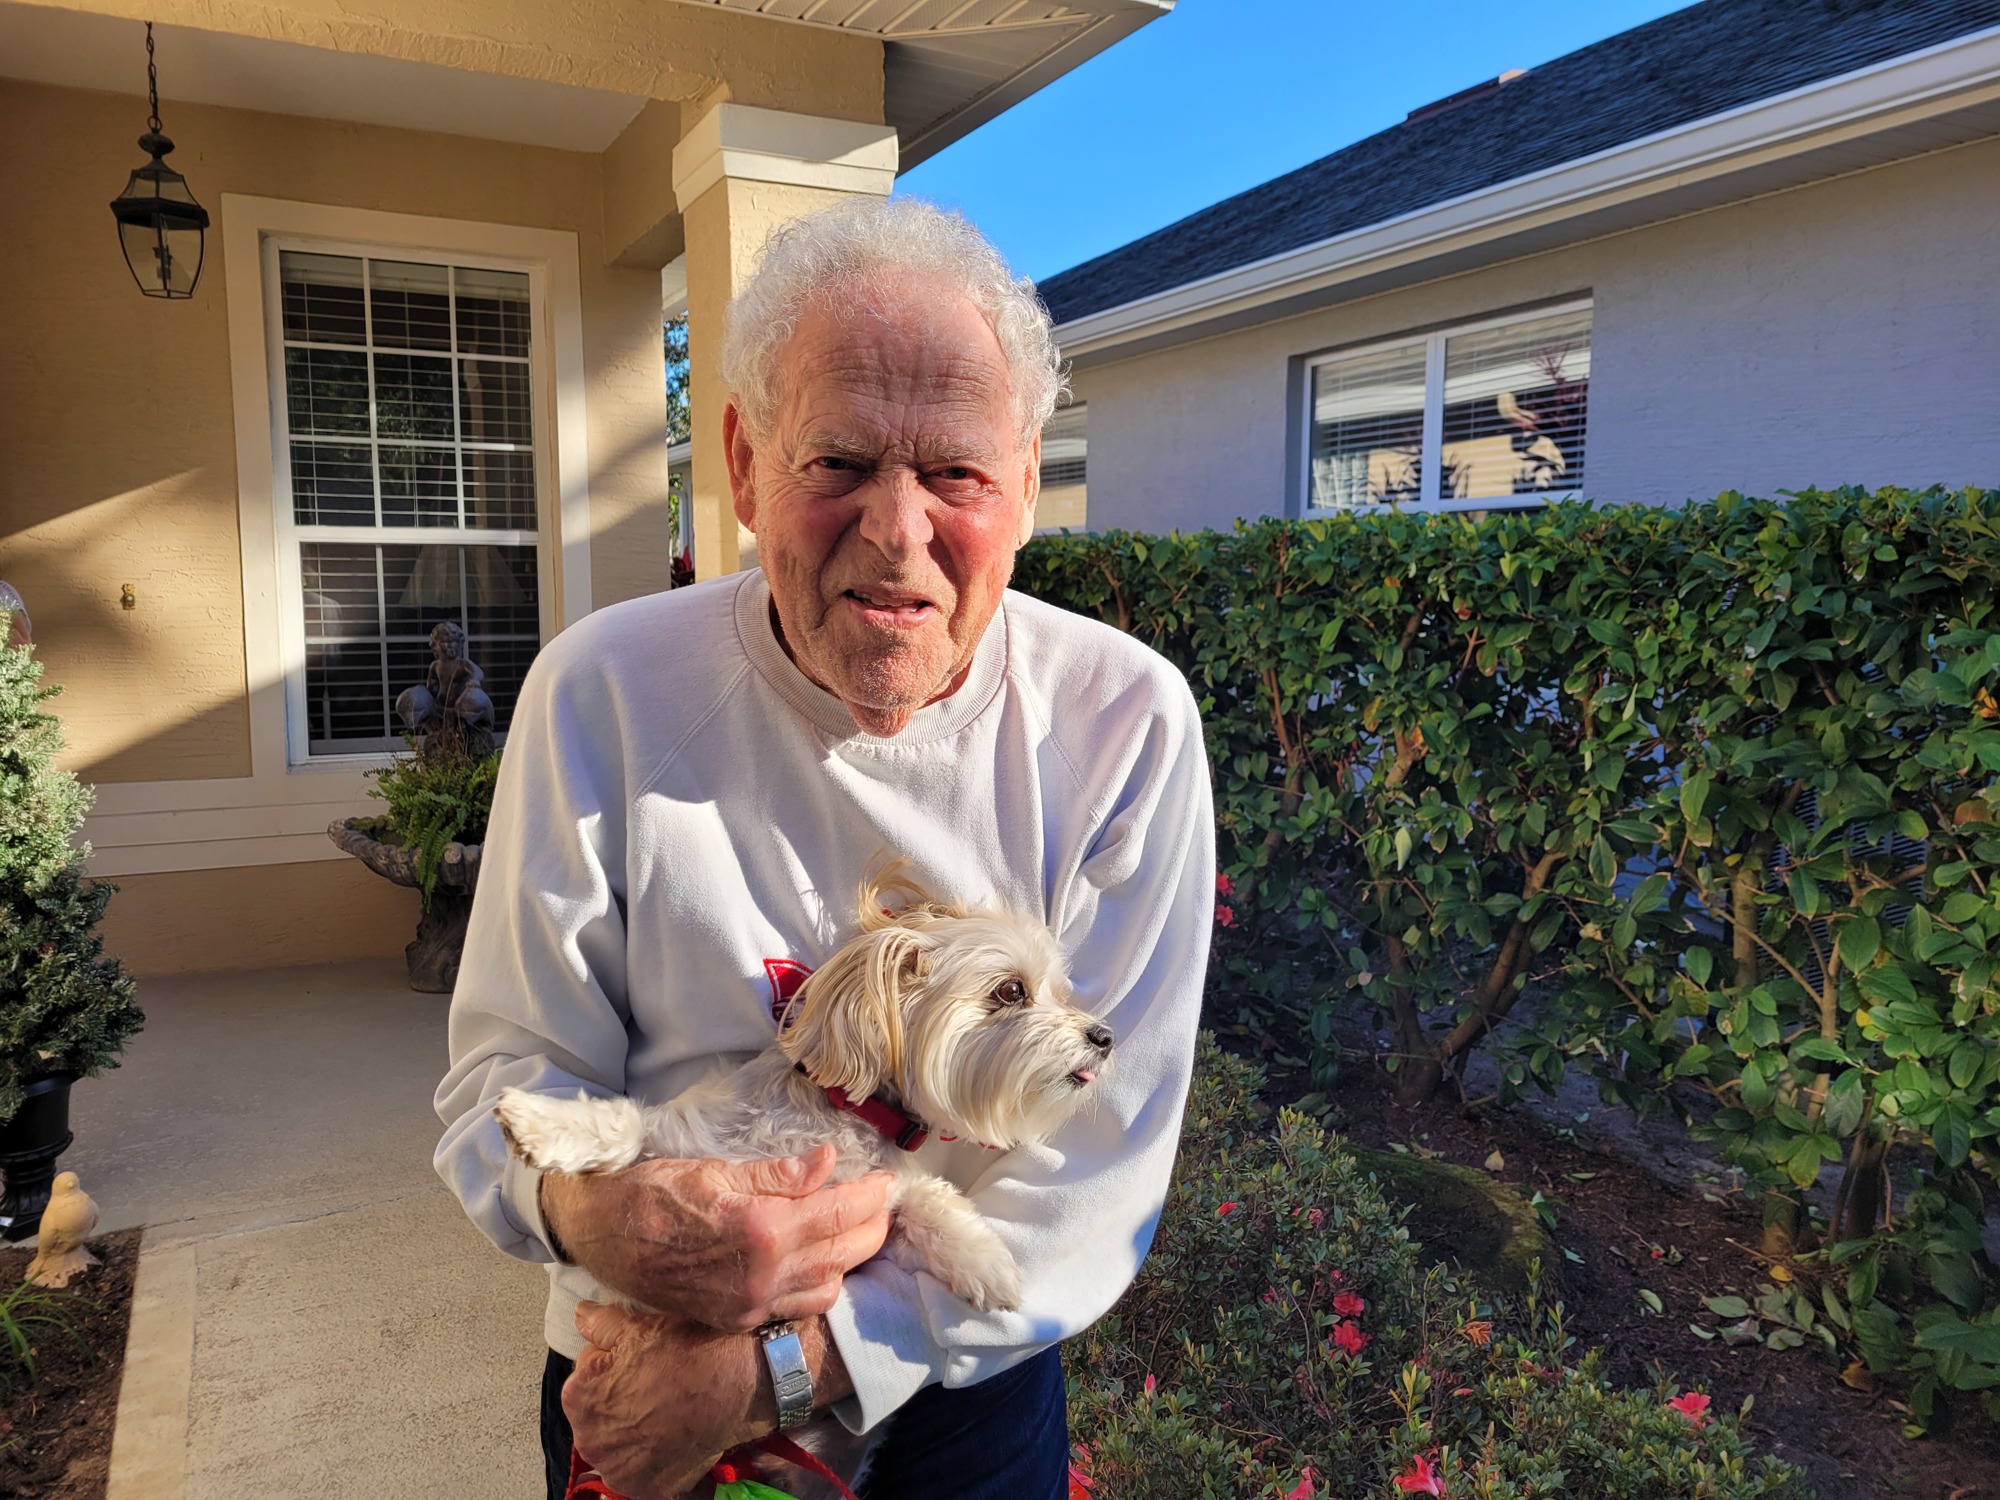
(1348, 1305)
(1226, 1210)
(1270, 1294)
(1305, 1487)
(1151, 1386)
(1422, 1479)
(1080, 1482)
(1224, 916)
(1349, 1339)
(1224, 886)
(1692, 1406)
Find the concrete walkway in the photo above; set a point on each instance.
(314, 1317)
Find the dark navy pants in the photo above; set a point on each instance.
(1006, 1439)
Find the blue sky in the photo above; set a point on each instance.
(1224, 94)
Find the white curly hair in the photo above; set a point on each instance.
(826, 258)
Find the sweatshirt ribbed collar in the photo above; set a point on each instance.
(934, 721)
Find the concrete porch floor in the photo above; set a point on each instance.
(314, 1316)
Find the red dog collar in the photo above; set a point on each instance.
(905, 1129)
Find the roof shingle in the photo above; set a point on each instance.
(1701, 61)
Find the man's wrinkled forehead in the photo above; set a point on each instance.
(920, 358)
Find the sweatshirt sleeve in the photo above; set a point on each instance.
(1079, 1212)
(540, 1001)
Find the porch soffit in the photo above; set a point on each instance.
(947, 65)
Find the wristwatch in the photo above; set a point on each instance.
(791, 1381)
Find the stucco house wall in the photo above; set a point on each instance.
(116, 420)
(1842, 332)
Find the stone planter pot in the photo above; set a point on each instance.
(433, 954)
(29, 1146)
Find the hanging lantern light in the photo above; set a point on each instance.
(160, 225)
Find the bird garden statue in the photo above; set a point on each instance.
(66, 1224)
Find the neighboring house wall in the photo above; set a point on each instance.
(1838, 333)
(120, 464)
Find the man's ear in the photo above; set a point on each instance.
(1031, 491)
(741, 453)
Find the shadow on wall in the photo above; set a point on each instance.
(153, 689)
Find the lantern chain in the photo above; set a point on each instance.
(152, 84)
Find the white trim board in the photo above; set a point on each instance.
(1960, 74)
(279, 812)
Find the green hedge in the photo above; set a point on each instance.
(1282, 1339)
(1717, 782)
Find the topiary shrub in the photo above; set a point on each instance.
(1283, 1340)
(64, 1006)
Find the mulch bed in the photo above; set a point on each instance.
(55, 1441)
(1613, 1213)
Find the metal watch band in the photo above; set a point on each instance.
(790, 1379)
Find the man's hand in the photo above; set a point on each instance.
(729, 1245)
(655, 1401)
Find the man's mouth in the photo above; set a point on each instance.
(890, 607)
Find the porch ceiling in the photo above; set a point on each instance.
(948, 66)
(80, 49)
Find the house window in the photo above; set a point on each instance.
(1487, 414)
(408, 484)
(1065, 448)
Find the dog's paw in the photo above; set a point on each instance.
(985, 1276)
(972, 1261)
(571, 1135)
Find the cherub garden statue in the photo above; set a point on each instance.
(450, 712)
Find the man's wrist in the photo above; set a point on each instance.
(823, 1364)
(547, 1212)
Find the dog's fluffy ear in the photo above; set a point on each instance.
(846, 1022)
(892, 897)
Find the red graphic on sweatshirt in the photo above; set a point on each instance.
(786, 975)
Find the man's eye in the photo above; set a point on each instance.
(1012, 992)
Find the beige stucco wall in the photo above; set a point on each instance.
(115, 409)
(726, 228)
(256, 917)
(1838, 333)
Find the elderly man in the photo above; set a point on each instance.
(693, 786)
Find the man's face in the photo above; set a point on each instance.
(889, 496)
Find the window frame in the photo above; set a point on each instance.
(1431, 452)
(284, 512)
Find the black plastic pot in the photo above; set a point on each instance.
(29, 1146)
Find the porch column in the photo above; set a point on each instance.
(740, 172)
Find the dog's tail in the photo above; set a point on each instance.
(892, 897)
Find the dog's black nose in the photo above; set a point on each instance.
(1099, 1036)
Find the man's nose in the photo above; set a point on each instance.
(895, 514)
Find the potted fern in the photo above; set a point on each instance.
(66, 1010)
(439, 799)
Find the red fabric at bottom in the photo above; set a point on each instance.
(585, 1481)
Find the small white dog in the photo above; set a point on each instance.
(931, 1018)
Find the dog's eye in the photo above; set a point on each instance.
(1011, 992)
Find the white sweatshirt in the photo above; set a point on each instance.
(681, 823)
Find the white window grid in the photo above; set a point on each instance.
(1431, 462)
(290, 533)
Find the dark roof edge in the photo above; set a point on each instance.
(1952, 74)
